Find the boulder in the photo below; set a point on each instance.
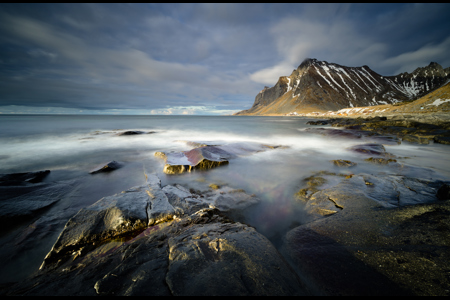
(443, 192)
(111, 166)
(380, 160)
(343, 163)
(206, 157)
(134, 132)
(369, 149)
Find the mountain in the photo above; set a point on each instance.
(322, 86)
(437, 101)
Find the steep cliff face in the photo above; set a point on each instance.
(322, 86)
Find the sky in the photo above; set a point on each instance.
(197, 59)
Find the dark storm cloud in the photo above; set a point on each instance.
(212, 56)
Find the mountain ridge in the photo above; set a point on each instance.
(322, 86)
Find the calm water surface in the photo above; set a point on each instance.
(71, 146)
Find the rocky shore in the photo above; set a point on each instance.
(415, 128)
(380, 233)
(154, 240)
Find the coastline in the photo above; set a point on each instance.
(388, 215)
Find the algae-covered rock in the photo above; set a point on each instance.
(402, 251)
(343, 163)
(380, 160)
(318, 122)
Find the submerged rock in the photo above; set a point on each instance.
(319, 122)
(206, 157)
(16, 179)
(26, 200)
(135, 132)
(111, 166)
(444, 192)
(343, 163)
(380, 160)
(338, 133)
(369, 149)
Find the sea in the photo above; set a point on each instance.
(70, 146)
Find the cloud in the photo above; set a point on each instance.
(338, 42)
(409, 61)
(103, 67)
(160, 56)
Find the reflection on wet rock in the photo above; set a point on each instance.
(23, 196)
(207, 156)
(381, 190)
(397, 251)
(114, 248)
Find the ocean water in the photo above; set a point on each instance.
(72, 145)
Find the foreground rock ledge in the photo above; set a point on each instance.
(372, 235)
(113, 247)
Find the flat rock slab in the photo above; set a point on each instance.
(18, 202)
(366, 191)
(382, 252)
(206, 156)
(223, 198)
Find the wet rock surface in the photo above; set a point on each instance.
(206, 155)
(108, 167)
(343, 163)
(24, 195)
(365, 250)
(385, 232)
(134, 132)
(389, 229)
(17, 179)
(153, 240)
(380, 233)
